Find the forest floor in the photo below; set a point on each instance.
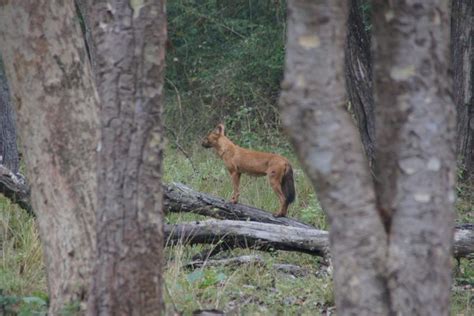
(250, 289)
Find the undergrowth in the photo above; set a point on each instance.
(252, 289)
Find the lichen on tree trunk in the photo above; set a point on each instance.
(391, 255)
(415, 136)
(328, 145)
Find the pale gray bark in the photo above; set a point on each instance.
(404, 266)
(415, 136)
(56, 109)
(129, 39)
(180, 198)
(249, 235)
(328, 145)
(14, 187)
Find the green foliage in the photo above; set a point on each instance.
(224, 64)
(22, 306)
(249, 289)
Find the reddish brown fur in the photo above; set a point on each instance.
(239, 160)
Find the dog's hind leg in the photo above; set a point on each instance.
(275, 182)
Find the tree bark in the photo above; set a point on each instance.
(180, 198)
(312, 104)
(8, 147)
(83, 13)
(464, 240)
(462, 58)
(358, 72)
(129, 38)
(249, 235)
(15, 188)
(56, 109)
(415, 136)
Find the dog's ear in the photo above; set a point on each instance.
(220, 129)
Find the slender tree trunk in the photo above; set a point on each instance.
(129, 39)
(56, 110)
(358, 71)
(313, 100)
(8, 146)
(462, 59)
(415, 128)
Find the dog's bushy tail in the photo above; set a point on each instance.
(288, 185)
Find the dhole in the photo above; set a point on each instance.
(239, 160)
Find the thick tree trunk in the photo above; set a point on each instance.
(358, 71)
(328, 145)
(249, 235)
(56, 111)
(462, 59)
(180, 198)
(8, 146)
(415, 130)
(129, 39)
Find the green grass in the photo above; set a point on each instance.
(255, 289)
(22, 275)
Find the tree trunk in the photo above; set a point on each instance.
(8, 146)
(462, 58)
(56, 111)
(358, 71)
(313, 100)
(129, 39)
(415, 130)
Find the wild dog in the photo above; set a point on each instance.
(240, 160)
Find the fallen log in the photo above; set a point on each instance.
(14, 187)
(263, 236)
(463, 240)
(180, 198)
(249, 259)
(245, 234)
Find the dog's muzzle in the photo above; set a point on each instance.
(206, 144)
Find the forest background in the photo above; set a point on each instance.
(224, 64)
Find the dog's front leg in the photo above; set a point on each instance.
(235, 184)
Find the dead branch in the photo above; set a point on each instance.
(249, 259)
(242, 234)
(15, 188)
(180, 198)
(263, 236)
(464, 240)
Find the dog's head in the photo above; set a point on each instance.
(213, 137)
